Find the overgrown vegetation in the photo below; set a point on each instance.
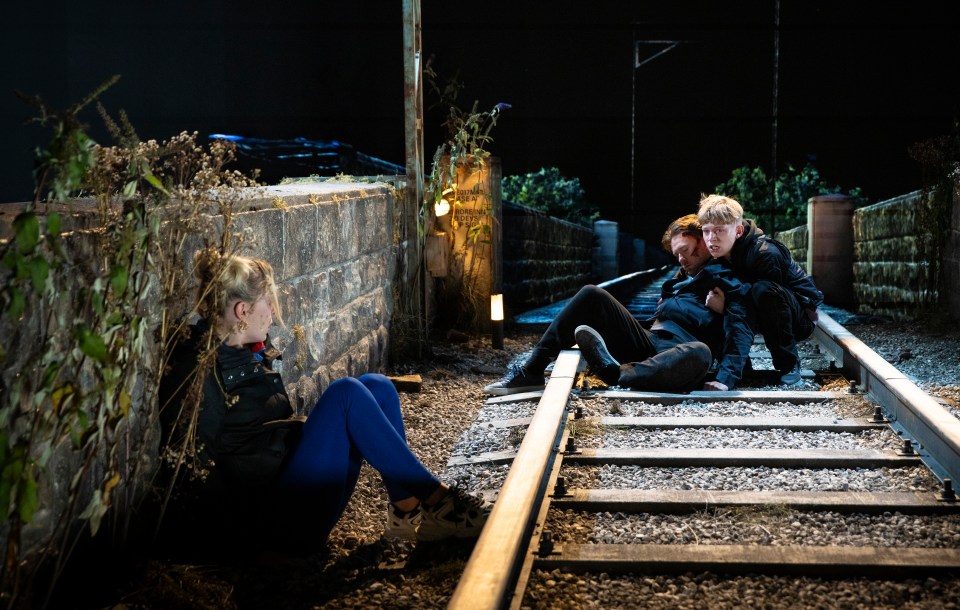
(939, 160)
(464, 146)
(87, 316)
(781, 204)
(461, 166)
(550, 192)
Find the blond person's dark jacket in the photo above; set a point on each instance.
(755, 257)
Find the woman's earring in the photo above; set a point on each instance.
(243, 325)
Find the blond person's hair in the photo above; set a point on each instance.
(719, 210)
(226, 279)
(685, 225)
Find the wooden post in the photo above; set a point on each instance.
(415, 290)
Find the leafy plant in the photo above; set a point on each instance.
(460, 159)
(465, 145)
(548, 191)
(939, 160)
(86, 318)
(782, 203)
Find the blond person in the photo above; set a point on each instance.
(700, 317)
(275, 475)
(783, 298)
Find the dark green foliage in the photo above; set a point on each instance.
(781, 204)
(939, 160)
(548, 191)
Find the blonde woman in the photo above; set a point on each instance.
(263, 462)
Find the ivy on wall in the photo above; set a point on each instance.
(85, 313)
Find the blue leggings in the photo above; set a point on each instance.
(354, 420)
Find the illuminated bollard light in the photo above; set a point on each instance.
(496, 319)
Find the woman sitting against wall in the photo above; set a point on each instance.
(260, 471)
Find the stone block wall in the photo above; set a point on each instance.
(544, 259)
(951, 258)
(796, 240)
(894, 267)
(332, 246)
(333, 252)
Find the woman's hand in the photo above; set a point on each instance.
(715, 301)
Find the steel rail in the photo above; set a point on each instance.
(506, 546)
(500, 549)
(910, 410)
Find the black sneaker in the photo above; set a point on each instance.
(595, 352)
(792, 377)
(515, 381)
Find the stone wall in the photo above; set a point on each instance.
(544, 259)
(335, 261)
(332, 246)
(894, 267)
(796, 240)
(951, 258)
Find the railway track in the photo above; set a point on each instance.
(565, 479)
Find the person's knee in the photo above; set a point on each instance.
(764, 292)
(701, 352)
(589, 293)
(699, 357)
(375, 381)
(594, 296)
(344, 386)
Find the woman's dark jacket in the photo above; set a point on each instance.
(757, 257)
(682, 311)
(245, 427)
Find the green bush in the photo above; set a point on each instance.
(548, 191)
(781, 205)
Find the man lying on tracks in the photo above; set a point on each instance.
(783, 299)
(700, 317)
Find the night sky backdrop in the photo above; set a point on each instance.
(858, 84)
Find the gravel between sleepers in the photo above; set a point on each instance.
(359, 569)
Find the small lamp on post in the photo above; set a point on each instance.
(496, 318)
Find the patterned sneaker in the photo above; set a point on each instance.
(459, 514)
(515, 381)
(403, 525)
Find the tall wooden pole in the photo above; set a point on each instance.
(415, 277)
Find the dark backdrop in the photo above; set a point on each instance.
(858, 83)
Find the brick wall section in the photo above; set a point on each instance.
(334, 260)
(544, 259)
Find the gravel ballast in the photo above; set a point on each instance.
(360, 569)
